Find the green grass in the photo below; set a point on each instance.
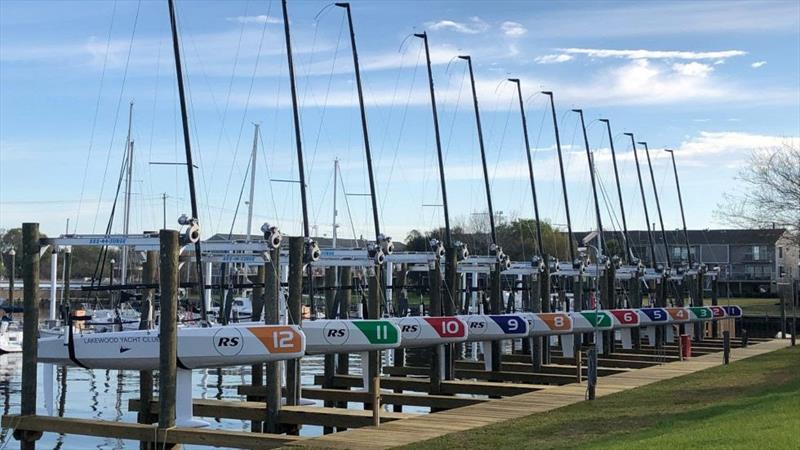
(754, 403)
(756, 306)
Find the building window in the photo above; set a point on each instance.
(780, 252)
(756, 253)
(781, 271)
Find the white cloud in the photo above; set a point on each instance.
(652, 54)
(260, 19)
(645, 82)
(730, 143)
(513, 29)
(693, 69)
(554, 59)
(757, 64)
(474, 26)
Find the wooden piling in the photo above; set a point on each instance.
(496, 306)
(257, 370)
(435, 280)
(452, 294)
(345, 297)
(635, 302)
(726, 347)
(399, 354)
(168, 333)
(295, 304)
(544, 297)
(149, 276)
(272, 370)
(330, 360)
(30, 327)
(376, 401)
(577, 305)
(374, 312)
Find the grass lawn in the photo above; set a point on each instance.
(757, 306)
(749, 404)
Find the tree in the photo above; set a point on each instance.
(771, 192)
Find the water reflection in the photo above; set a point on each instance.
(104, 394)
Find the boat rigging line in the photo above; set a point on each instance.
(658, 205)
(644, 202)
(539, 240)
(563, 179)
(680, 202)
(192, 223)
(468, 59)
(628, 253)
(602, 242)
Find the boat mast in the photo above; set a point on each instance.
(563, 179)
(601, 247)
(364, 130)
(530, 165)
(483, 150)
(188, 149)
(447, 236)
(128, 182)
(335, 211)
(619, 193)
(253, 157)
(296, 119)
(644, 202)
(680, 202)
(658, 205)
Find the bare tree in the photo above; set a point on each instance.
(771, 192)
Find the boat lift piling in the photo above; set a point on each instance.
(149, 275)
(272, 370)
(30, 337)
(168, 333)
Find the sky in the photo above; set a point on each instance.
(712, 80)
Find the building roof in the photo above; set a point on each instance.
(766, 236)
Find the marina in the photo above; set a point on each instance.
(287, 337)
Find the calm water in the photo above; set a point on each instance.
(104, 394)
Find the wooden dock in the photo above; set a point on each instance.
(407, 431)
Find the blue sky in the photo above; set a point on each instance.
(713, 80)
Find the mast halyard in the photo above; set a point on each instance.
(628, 253)
(653, 262)
(483, 149)
(563, 179)
(658, 205)
(601, 247)
(680, 203)
(364, 128)
(447, 235)
(539, 240)
(253, 157)
(194, 221)
(126, 219)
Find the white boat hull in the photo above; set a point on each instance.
(197, 347)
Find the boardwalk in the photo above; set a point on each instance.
(407, 431)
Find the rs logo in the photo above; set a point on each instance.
(336, 332)
(478, 325)
(228, 342)
(409, 329)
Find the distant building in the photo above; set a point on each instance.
(751, 262)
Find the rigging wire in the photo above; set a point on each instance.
(116, 116)
(228, 94)
(246, 108)
(96, 114)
